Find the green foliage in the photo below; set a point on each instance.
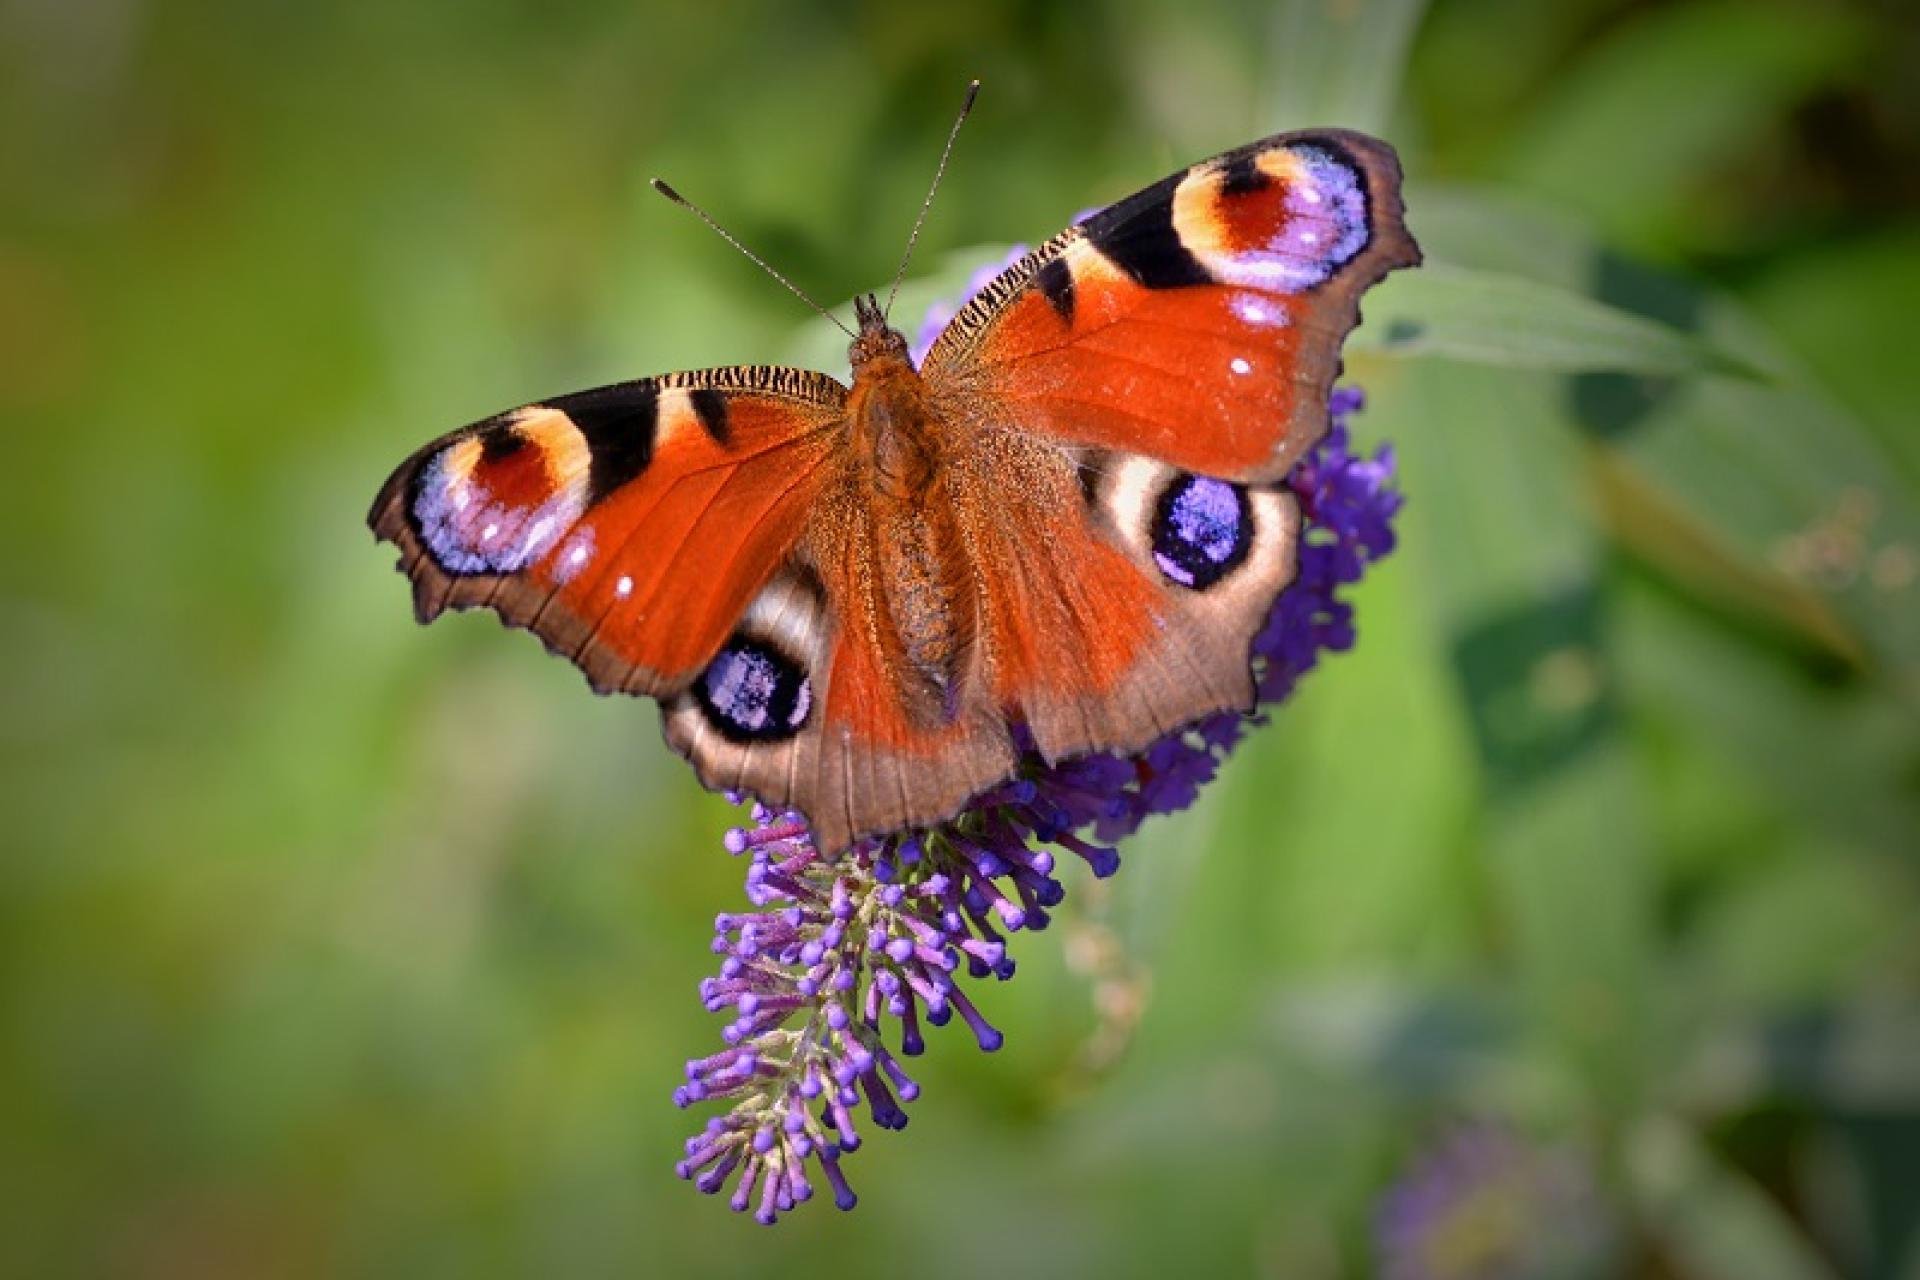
(332, 946)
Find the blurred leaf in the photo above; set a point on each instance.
(1642, 130)
(1796, 489)
(1855, 1056)
(1458, 313)
(1472, 90)
(1717, 1224)
(1195, 74)
(1502, 231)
(1512, 571)
(1496, 230)
(1337, 62)
(1646, 519)
(1801, 932)
(1825, 300)
(1878, 1189)
(1837, 760)
(1428, 1043)
(1325, 875)
(1759, 491)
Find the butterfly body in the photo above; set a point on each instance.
(1058, 533)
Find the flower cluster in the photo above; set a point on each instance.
(831, 978)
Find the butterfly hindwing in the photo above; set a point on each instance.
(1120, 595)
(804, 704)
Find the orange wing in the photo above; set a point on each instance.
(628, 527)
(1113, 412)
(1176, 351)
(1119, 596)
(871, 746)
(1197, 322)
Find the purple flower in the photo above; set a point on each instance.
(844, 962)
(1482, 1204)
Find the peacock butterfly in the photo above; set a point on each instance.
(1059, 533)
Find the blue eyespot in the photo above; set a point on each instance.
(751, 692)
(1202, 530)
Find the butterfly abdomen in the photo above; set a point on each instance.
(924, 580)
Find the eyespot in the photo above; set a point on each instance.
(1202, 530)
(498, 500)
(752, 692)
(1329, 222)
(1282, 221)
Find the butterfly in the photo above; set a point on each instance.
(1058, 533)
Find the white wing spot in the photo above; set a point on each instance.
(537, 535)
(1239, 365)
(579, 556)
(624, 587)
(489, 533)
(1250, 308)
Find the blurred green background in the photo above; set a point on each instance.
(333, 946)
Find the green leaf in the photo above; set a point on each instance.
(1338, 62)
(1482, 317)
(1641, 131)
(1824, 300)
(1786, 483)
(1833, 760)
(1854, 1057)
(1718, 1225)
(1512, 568)
(1758, 492)
(1386, 709)
(1425, 1043)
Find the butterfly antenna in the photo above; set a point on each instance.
(751, 256)
(973, 91)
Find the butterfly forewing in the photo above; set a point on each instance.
(629, 526)
(1199, 321)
